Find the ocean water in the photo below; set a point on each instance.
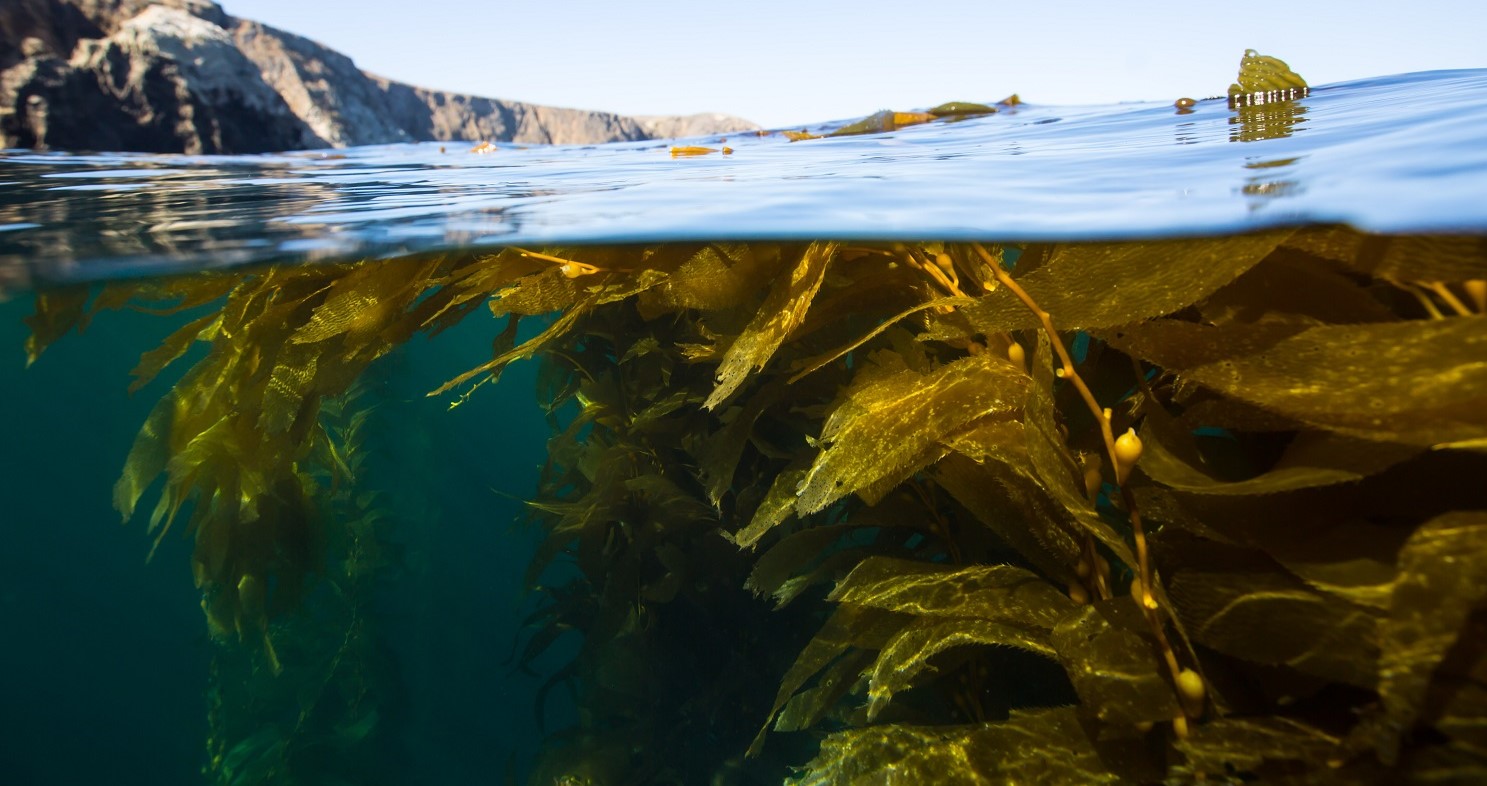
(1393, 154)
(107, 661)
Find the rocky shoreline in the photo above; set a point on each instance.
(183, 76)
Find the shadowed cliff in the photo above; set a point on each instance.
(183, 76)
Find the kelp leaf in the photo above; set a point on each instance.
(876, 491)
(1228, 746)
(57, 311)
(1177, 345)
(288, 386)
(1416, 382)
(814, 364)
(541, 293)
(147, 458)
(1293, 285)
(810, 705)
(847, 627)
(172, 348)
(473, 281)
(1353, 560)
(1015, 508)
(777, 506)
(365, 305)
(604, 293)
(791, 554)
(1442, 579)
(994, 441)
(1001, 593)
(908, 653)
(716, 277)
(718, 456)
(828, 570)
(1420, 258)
(1115, 670)
(355, 304)
(1094, 285)
(883, 424)
(782, 311)
(1312, 459)
(1034, 746)
(883, 122)
(1240, 602)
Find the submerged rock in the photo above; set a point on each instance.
(184, 76)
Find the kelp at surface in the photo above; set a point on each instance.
(1181, 510)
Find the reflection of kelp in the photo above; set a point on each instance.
(1266, 121)
(1186, 510)
(1264, 100)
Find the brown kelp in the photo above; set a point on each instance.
(1179, 510)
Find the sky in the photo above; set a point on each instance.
(790, 63)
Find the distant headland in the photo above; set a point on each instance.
(183, 76)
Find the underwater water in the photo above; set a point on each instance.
(1072, 444)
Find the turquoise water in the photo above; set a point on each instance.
(102, 679)
(106, 654)
(1393, 154)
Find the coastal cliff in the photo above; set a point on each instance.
(183, 76)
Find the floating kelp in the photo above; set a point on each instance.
(1183, 510)
(1264, 79)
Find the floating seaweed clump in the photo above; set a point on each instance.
(1194, 510)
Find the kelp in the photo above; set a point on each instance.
(1184, 510)
(929, 432)
(1264, 79)
(325, 714)
(1065, 513)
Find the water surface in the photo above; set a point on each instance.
(1393, 154)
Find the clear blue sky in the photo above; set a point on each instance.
(781, 63)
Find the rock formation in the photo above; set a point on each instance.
(701, 124)
(184, 76)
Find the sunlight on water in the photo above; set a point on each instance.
(1395, 154)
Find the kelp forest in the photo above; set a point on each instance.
(1180, 511)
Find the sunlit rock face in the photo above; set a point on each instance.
(701, 124)
(161, 80)
(184, 76)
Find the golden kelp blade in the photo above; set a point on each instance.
(1263, 79)
(1034, 746)
(1443, 578)
(686, 151)
(962, 109)
(883, 122)
(782, 312)
(895, 414)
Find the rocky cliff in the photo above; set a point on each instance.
(183, 76)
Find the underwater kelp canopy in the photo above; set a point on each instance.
(1175, 511)
(1192, 509)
